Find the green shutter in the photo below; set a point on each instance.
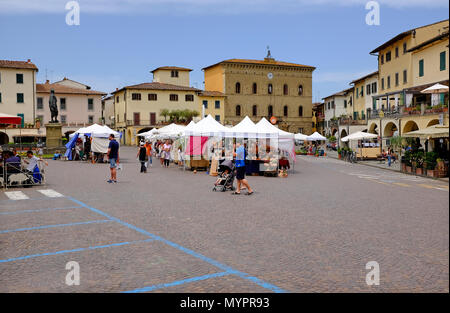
(420, 68)
(442, 64)
(357, 95)
(22, 124)
(374, 103)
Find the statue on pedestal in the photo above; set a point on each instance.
(53, 107)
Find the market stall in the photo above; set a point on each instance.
(363, 151)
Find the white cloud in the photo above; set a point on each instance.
(198, 6)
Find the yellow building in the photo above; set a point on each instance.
(264, 88)
(409, 63)
(365, 88)
(395, 64)
(213, 103)
(18, 89)
(318, 118)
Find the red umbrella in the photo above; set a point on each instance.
(10, 119)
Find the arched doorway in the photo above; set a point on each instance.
(390, 129)
(4, 139)
(334, 131)
(433, 122)
(373, 129)
(344, 133)
(144, 130)
(409, 127)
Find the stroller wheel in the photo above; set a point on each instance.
(214, 189)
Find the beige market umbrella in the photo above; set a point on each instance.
(437, 88)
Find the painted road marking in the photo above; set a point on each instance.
(178, 282)
(74, 250)
(190, 252)
(403, 185)
(53, 226)
(51, 193)
(16, 195)
(39, 210)
(426, 186)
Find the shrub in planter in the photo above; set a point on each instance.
(430, 161)
(339, 151)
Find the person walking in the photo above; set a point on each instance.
(113, 157)
(240, 170)
(166, 148)
(142, 156)
(148, 147)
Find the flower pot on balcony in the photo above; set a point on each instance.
(419, 171)
(408, 169)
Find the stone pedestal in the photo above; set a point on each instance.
(54, 135)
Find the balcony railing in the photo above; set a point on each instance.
(349, 121)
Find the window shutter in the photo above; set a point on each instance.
(442, 64)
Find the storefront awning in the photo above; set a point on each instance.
(435, 131)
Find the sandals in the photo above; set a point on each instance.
(236, 193)
(250, 193)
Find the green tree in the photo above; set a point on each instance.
(165, 113)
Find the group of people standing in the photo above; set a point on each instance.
(160, 149)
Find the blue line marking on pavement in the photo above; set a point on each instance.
(51, 226)
(186, 250)
(75, 250)
(39, 210)
(177, 283)
(40, 198)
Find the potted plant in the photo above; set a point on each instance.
(419, 162)
(339, 150)
(430, 158)
(441, 168)
(408, 165)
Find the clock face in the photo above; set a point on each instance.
(270, 75)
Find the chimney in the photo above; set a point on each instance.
(47, 81)
(28, 61)
(117, 89)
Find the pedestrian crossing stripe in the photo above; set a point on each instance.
(50, 193)
(16, 195)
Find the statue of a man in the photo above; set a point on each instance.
(53, 107)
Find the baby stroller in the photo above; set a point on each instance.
(226, 180)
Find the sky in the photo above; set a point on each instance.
(118, 42)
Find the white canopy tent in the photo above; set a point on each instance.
(359, 136)
(148, 133)
(206, 127)
(316, 137)
(96, 130)
(265, 127)
(300, 136)
(171, 131)
(245, 129)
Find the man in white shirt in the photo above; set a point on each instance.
(32, 161)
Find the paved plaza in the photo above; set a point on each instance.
(167, 231)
